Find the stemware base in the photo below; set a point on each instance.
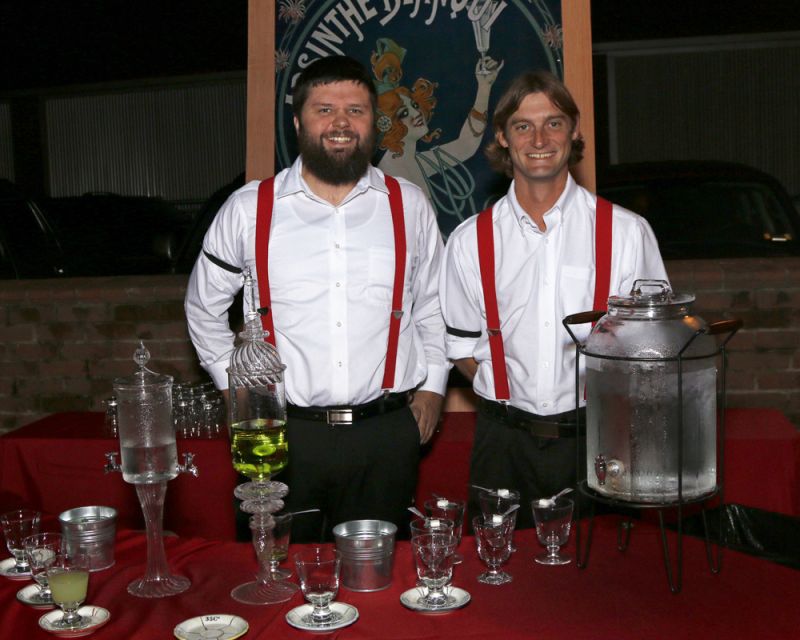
(8, 569)
(414, 599)
(32, 596)
(300, 617)
(501, 577)
(159, 587)
(93, 618)
(264, 592)
(555, 560)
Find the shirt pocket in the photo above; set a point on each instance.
(380, 276)
(577, 289)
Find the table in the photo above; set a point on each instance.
(620, 596)
(57, 463)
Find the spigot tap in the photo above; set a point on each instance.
(111, 463)
(600, 469)
(188, 465)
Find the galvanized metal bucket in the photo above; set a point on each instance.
(90, 530)
(367, 550)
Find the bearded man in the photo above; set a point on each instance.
(353, 258)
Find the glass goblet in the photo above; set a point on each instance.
(259, 449)
(434, 558)
(41, 550)
(281, 535)
(318, 570)
(498, 502)
(68, 577)
(553, 519)
(264, 589)
(492, 535)
(18, 525)
(420, 526)
(452, 510)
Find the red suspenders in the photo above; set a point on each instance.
(602, 283)
(266, 198)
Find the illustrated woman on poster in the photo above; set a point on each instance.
(404, 117)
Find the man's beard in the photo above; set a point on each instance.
(337, 169)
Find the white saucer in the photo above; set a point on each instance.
(349, 616)
(222, 626)
(7, 570)
(409, 599)
(28, 595)
(97, 618)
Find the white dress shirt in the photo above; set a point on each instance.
(541, 277)
(331, 275)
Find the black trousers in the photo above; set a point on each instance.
(507, 457)
(367, 470)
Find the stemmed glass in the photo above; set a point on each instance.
(281, 535)
(452, 510)
(265, 589)
(553, 519)
(318, 570)
(493, 536)
(498, 502)
(434, 557)
(68, 577)
(259, 449)
(18, 525)
(41, 550)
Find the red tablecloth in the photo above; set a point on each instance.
(619, 596)
(57, 463)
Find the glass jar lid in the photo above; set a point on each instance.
(142, 377)
(651, 299)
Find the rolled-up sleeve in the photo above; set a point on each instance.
(460, 297)
(211, 290)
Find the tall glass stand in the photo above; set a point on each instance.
(674, 569)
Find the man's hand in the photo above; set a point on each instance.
(426, 407)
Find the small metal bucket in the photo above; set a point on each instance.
(367, 550)
(90, 530)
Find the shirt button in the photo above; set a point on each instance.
(338, 284)
(337, 245)
(545, 404)
(546, 322)
(340, 364)
(338, 324)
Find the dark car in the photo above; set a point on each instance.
(707, 209)
(110, 234)
(29, 246)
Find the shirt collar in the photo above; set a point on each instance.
(294, 183)
(553, 217)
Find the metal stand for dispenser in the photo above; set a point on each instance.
(674, 573)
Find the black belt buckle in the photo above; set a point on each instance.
(337, 417)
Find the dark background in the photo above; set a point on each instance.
(62, 42)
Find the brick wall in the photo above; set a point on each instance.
(63, 341)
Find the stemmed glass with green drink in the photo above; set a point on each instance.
(68, 577)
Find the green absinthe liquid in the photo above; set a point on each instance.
(259, 447)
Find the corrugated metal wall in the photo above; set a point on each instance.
(6, 143)
(177, 142)
(721, 101)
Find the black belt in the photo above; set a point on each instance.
(345, 415)
(560, 425)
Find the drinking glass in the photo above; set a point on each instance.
(68, 577)
(18, 525)
(264, 589)
(553, 519)
(492, 535)
(434, 557)
(318, 570)
(449, 510)
(419, 526)
(281, 535)
(498, 502)
(41, 550)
